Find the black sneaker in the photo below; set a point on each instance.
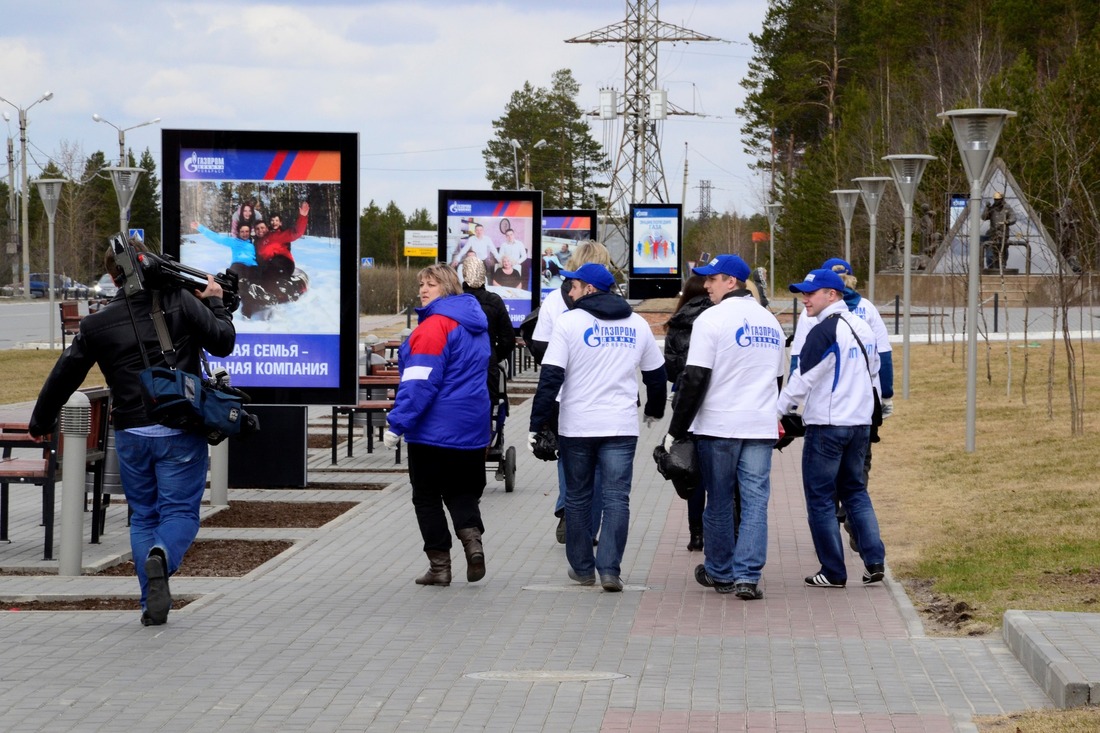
(822, 581)
(874, 574)
(747, 591)
(611, 583)
(705, 580)
(560, 532)
(158, 599)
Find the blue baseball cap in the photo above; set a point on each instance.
(731, 265)
(834, 262)
(818, 280)
(595, 275)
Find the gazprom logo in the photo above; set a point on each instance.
(749, 335)
(599, 335)
(196, 163)
(457, 208)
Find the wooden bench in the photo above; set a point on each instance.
(386, 381)
(70, 319)
(40, 470)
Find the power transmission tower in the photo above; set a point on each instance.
(639, 175)
(704, 201)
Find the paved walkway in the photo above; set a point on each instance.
(333, 635)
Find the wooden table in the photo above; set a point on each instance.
(388, 382)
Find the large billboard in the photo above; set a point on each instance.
(279, 209)
(562, 231)
(503, 230)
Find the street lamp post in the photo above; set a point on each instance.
(26, 223)
(526, 162)
(871, 189)
(773, 214)
(49, 190)
(122, 135)
(125, 181)
(846, 199)
(13, 212)
(976, 133)
(515, 160)
(907, 170)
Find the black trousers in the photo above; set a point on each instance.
(445, 477)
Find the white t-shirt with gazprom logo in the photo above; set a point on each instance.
(742, 344)
(601, 359)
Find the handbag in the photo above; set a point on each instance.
(195, 403)
(678, 466)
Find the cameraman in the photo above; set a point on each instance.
(163, 470)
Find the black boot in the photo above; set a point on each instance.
(695, 543)
(439, 572)
(475, 553)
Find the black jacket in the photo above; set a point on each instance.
(502, 336)
(107, 338)
(678, 335)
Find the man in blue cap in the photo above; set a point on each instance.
(865, 309)
(834, 382)
(587, 393)
(726, 399)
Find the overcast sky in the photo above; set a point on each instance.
(420, 80)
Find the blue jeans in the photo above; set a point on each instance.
(163, 478)
(582, 459)
(597, 499)
(832, 468)
(727, 465)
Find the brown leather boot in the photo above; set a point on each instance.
(475, 553)
(439, 572)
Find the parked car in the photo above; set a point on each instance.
(105, 287)
(63, 287)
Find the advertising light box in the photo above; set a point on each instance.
(502, 229)
(279, 210)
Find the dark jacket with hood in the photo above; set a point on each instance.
(107, 338)
(678, 335)
(443, 400)
(502, 336)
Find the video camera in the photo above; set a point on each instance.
(145, 269)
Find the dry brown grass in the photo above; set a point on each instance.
(1012, 525)
(23, 372)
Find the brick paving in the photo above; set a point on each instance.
(333, 635)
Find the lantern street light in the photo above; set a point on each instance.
(907, 170)
(125, 181)
(526, 162)
(773, 214)
(871, 189)
(49, 190)
(976, 133)
(23, 189)
(122, 135)
(846, 199)
(13, 210)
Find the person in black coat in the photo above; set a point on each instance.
(502, 335)
(693, 301)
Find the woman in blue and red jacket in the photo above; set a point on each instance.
(442, 412)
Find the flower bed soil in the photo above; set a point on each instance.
(278, 514)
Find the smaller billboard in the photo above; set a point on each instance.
(503, 230)
(421, 243)
(655, 237)
(562, 231)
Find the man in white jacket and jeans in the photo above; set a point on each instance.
(834, 382)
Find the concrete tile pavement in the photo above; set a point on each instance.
(333, 635)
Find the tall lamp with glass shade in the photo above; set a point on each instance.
(846, 200)
(907, 170)
(871, 189)
(125, 181)
(49, 190)
(976, 134)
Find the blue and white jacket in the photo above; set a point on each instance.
(833, 381)
(443, 399)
